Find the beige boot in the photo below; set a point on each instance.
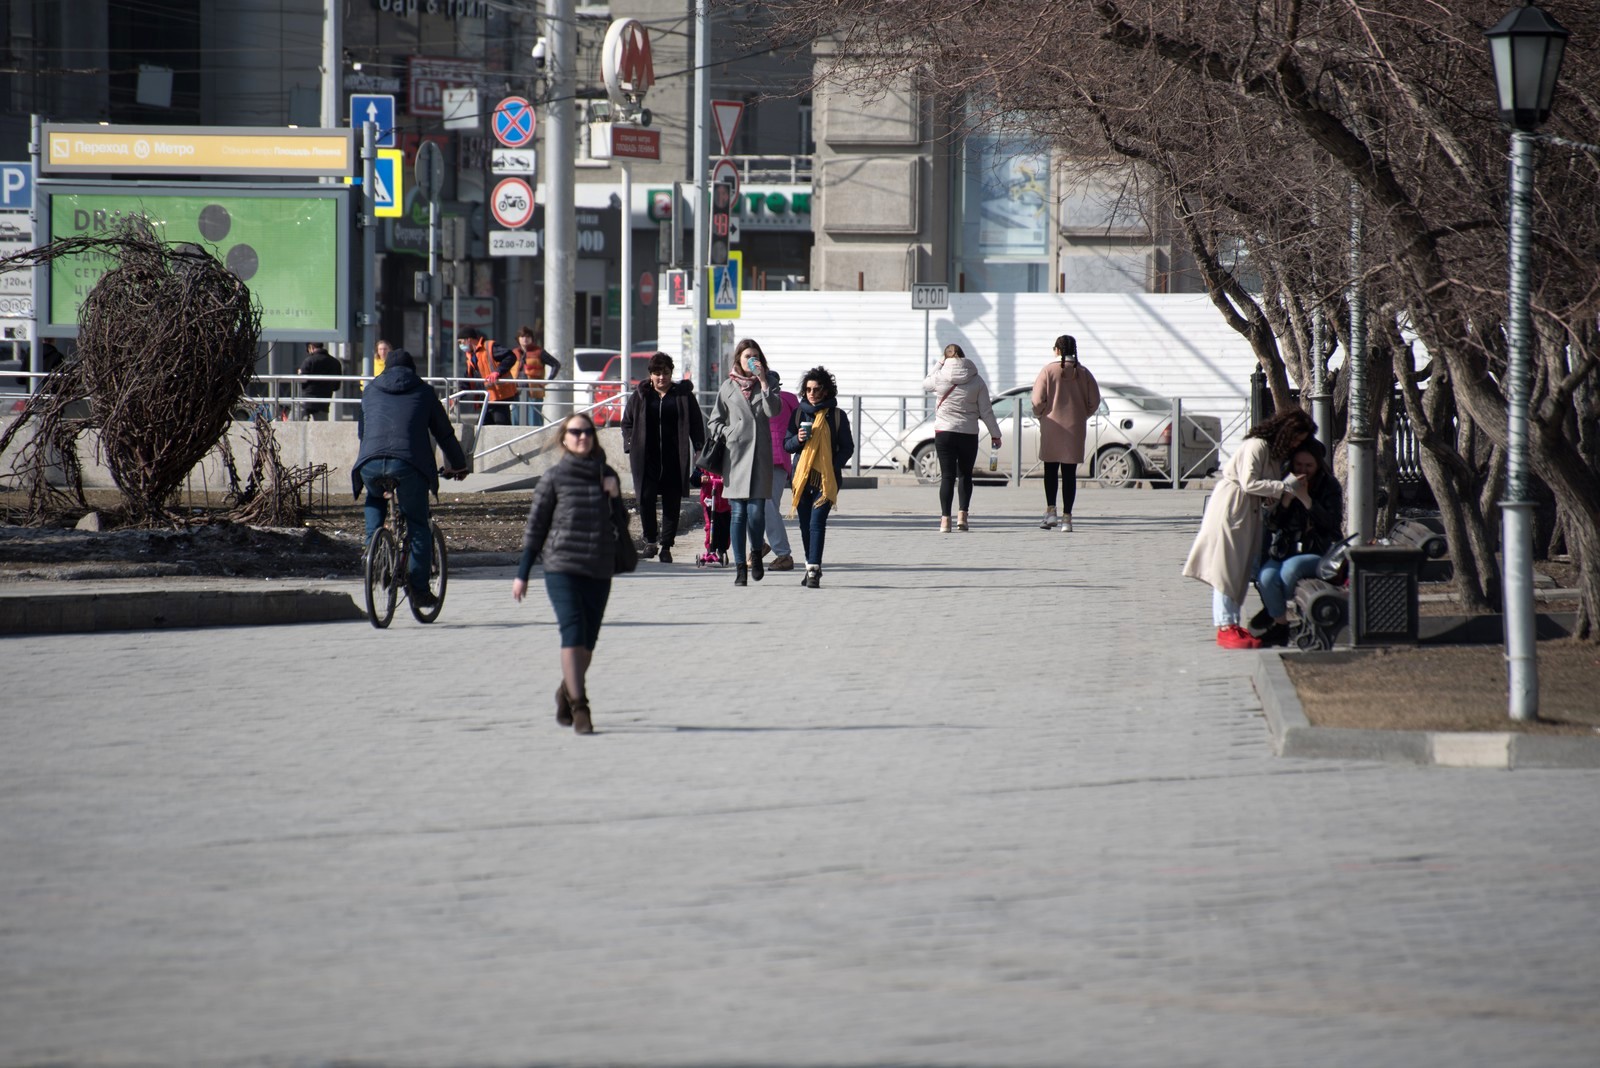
(961, 521)
(944, 524)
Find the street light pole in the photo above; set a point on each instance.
(1527, 48)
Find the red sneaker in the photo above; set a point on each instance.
(1236, 637)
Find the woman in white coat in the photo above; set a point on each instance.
(743, 415)
(963, 399)
(1065, 395)
(1228, 548)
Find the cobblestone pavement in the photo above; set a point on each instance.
(983, 799)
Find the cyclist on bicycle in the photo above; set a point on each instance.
(399, 411)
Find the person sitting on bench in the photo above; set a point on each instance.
(1298, 531)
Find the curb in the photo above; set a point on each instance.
(73, 612)
(1294, 736)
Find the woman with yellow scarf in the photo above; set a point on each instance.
(819, 438)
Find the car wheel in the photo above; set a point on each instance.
(925, 462)
(1118, 468)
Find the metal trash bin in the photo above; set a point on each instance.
(1383, 594)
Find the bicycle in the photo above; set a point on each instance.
(386, 563)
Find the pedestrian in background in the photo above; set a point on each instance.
(742, 416)
(321, 369)
(1065, 395)
(490, 363)
(963, 401)
(1225, 552)
(529, 371)
(572, 527)
(819, 435)
(777, 533)
(662, 432)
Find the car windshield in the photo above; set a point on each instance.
(1142, 398)
(591, 362)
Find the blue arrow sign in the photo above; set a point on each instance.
(375, 108)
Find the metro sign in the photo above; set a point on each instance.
(626, 62)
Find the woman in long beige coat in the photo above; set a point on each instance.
(1226, 551)
(1065, 395)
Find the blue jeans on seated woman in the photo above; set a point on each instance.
(412, 493)
(749, 519)
(1277, 578)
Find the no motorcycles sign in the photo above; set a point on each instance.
(512, 203)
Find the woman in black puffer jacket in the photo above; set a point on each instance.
(572, 526)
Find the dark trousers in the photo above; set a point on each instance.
(412, 492)
(813, 518)
(957, 453)
(670, 504)
(499, 414)
(1068, 473)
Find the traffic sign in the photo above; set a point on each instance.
(16, 186)
(726, 287)
(388, 177)
(430, 170)
(725, 170)
(930, 296)
(647, 289)
(514, 122)
(378, 109)
(725, 115)
(512, 203)
(513, 160)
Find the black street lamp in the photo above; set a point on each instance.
(1526, 47)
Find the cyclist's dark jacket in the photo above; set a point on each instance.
(571, 520)
(398, 413)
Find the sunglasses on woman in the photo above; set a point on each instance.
(581, 431)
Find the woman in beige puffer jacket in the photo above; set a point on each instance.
(963, 399)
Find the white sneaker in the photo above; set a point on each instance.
(1049, 521)
(1066, 523)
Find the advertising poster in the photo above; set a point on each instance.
(286, 249)
(1008, 188)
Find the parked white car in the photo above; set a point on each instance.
(1128, 439)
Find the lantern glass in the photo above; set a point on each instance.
(1526, 47)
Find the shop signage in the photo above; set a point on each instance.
(197, 150)
(430, 77)
(757, 207)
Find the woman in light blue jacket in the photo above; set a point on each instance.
(743, 415)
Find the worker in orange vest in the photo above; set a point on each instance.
(530, 370)
(491, 363)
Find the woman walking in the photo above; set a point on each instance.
(1065, 395)
(1226, 550)
(661, 423)
(742, 416)
(572, 524)
(963, 400)
(818, 436)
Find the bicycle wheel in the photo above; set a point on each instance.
(438, 577)
(382, 578)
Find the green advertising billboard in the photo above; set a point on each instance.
(288, 246)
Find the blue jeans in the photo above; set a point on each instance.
(777, 535)
(1277, 578)
(411, 490)
(749, 521)
(813, 523)
(1224, 610)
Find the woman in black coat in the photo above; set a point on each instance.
(573, 525)
(662, 428)
(1297, 533)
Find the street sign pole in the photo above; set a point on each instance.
(702, 195)
(433, 281)
(369, 245)
(627, 268)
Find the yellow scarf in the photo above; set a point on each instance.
(816, 455)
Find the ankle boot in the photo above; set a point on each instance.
(813, 577)
(741, 575)
(563, 706)
(581, 721)
(944, 524)
(756, 569)
(961, 521)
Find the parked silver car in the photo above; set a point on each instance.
(1128, 439)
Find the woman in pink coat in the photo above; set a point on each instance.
(1065, 395)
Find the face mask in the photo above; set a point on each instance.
(463, 346)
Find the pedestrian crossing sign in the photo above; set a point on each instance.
(727, 288)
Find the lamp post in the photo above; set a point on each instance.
(1526, 47)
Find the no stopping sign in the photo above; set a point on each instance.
(512, 203)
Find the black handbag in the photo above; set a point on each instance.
(714, 456)
(625, 555)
